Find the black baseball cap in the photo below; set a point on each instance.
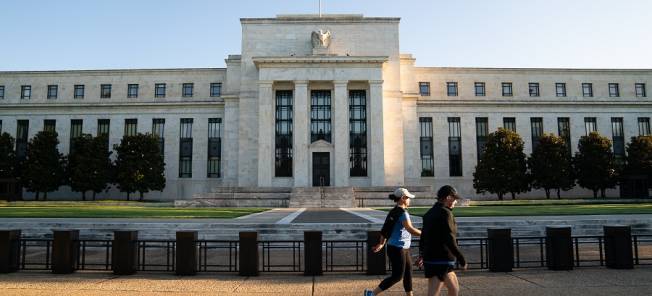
(447, 190)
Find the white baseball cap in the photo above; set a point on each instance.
(400, 192)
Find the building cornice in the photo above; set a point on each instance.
(531, 103)
(296, 60)
(323, 19)
(112, 71)
(465, 70)
(213, 103)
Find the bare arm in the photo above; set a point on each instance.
(379, 246)
(411, 229)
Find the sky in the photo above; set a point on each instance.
(120, 34)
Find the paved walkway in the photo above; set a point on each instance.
(595, 281)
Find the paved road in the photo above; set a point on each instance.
(594, 281)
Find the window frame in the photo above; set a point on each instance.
(482, 87)
(53, 92)
(160, 90)
(216, 86)
(26, 92)
(105, 91)
(507, 86)
(589, 86)
(534, 89)
(185, 87)
(77, 87)
(639, 89)
(560, 89)
(614, 90)
(451, 89)
(424, 88)
(130, 88)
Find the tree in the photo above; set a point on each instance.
(44, 167)
(139, 165)
(89, 165)
(7, 157)
(550, 165)
(502, 168)
(639, 157)
(595, 166)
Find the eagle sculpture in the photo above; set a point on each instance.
(321, 39)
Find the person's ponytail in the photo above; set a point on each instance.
(393, 197)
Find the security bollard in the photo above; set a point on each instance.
(559, 248)
(124, 253)
(375, 261)
(65, 250)
(618, 247)
(248, 254)
(312, 253)
(186, 253)
(500, 250)
(9, 250)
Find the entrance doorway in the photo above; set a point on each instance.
(321, 169)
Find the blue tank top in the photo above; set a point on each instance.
(400, 237)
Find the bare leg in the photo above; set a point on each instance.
(377, 291)
(452, 284)
(434, 286)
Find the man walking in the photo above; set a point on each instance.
(438, 248)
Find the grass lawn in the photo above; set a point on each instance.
(115, 210)
(545, 210)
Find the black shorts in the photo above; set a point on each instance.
(438, 270)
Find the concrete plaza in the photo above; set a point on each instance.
(531, 282)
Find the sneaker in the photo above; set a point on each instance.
(368, 292)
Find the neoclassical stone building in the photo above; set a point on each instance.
(324, 101)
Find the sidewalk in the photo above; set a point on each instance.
(533, 282)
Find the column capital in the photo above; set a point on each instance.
(376, 82)
(300, 82)
(340, 82)
(265, 83)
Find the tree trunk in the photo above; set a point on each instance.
(558, 193)
(84, 195)
(37, 195)
(500, 196)
(45, 195)
(595, 193)
(547, 193)
(513, 195)
(94, 194)
(602, 190)
(141, 195)
(128, 196)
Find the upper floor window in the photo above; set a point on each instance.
(105, 91)
(587, 89)
(131, 127)
(509, 123)
(424, 88)
(451, 89)
(187, 89)
(132, 91)
(2, 91)
(534, 89)
(590, 125)
(53, 91)
(26, 92)
(159, 90)
(50, 125)
(79, 91)
(560, 89)
(480, 89)
(640, 90)
(643, 126)
(216, 89)
(614, 90)
(507, 89)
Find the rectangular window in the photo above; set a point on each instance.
(79, 91)
(103, 129)
(427, 160)
(563, 129)
(454, 147)
(560, 89)
(214, 147)
(480, 89)
(22, 132)
(643, 126)
(283, 134)
(105, 92)
(534, 89)
(25, 92)
(185, 148)
(481, 134)
(614, 90)
(159, 90)
(424, 88)
(131, 127)
(158, 130)
(320, 115)
(640, 90)
(50, 125)
(0, 126)
(587, 89)
(451, 89)
(75, 132)
(507, 89)
(537, 131)
(187, 89)
(590, 125)
(53, 92)
(216, 89)
(618, 138)
(132, 91)
(509, 123)
(2, 91)
(358, 133)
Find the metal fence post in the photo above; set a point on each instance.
(124, 252)
(9, 250)
(618, 247)
(500, 250)
(186, 253)
(313, 253)
(559, 248)
(376, 263)
(65, 250)
(248, 254)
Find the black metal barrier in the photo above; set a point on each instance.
(65, 252)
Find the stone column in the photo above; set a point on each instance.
(230, 141)
(411, 138)
(341, 133)
(265, 133)
(300, 133)
(377, 150)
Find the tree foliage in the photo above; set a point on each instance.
(44, 167)
(639, 157)
(89, 165)
(7, 157)
(139, 165)
(595, 165)
(551, 165)
(502, 168)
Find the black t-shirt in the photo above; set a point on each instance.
(439, 236)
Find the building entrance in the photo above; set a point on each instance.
(321, 169)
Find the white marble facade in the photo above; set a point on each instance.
(278, 55)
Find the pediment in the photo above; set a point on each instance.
(321, 144)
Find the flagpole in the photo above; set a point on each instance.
(319, 8)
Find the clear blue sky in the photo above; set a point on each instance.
(103, 34)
